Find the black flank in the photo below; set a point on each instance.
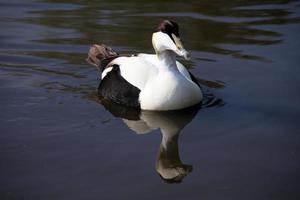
(115, 88)
(194, 79)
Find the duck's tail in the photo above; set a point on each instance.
(100, 56)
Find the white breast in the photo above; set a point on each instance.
(169, 91)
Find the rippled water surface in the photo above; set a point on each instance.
(58, 142)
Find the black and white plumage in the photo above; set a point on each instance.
(148, 81)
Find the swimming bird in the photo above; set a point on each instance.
(155, 82)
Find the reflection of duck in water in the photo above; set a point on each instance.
(168, 163)
(148, 81)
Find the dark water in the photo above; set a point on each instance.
(58, 142)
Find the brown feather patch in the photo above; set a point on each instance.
(100, 56)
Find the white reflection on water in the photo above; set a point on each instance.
(168, 163)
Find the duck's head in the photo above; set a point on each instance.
(166, 38)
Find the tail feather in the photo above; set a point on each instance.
(100, 56)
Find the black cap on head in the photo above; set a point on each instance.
(168, 27)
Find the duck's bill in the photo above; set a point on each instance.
(180, 49)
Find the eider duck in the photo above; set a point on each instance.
(154, 82)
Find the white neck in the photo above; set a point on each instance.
(167, 59)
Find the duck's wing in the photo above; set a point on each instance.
(124, 78)
(136, 70)
(150, 58)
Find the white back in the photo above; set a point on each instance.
(136, 70)
(152, 58)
